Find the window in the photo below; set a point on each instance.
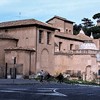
(14, 60)
(6, 30)
(66, 30)
(70, 31)
(60, 44)
(40, 36)
(48, 37)
(71, 46)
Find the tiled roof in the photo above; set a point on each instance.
(83, 36)
(71, 36)
(61, 18)
(20, 48)
(24, 23)
(5, 36)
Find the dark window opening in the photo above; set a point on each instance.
(70, 31)
(60, 44)
(40, 36)
(14, 60)
(71, 46)
(48, 37)
(66, 30)
(6, 30)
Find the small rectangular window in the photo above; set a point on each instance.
(60, 45)
(69, 31)
(14, 60)
(48, 37)
(71, 46)
(40, 36)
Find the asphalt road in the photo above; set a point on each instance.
(49, 91)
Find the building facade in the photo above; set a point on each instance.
(28, 46)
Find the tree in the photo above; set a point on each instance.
(96, 31)
(87, 23)
(77, 28)
(96, 16)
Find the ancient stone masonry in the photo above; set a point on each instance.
(28, 46)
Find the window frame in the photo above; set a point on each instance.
(60, 46)
(49, 35)
(40, 40)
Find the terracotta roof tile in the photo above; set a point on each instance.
(75, 37)
(83, 36)
(23, 23)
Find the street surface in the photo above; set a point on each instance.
(49, 91)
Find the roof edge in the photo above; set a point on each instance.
(61, 18)
(26, 22)
(20, 48)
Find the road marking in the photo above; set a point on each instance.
(41, 91)
(52, 94)
(16, 89)
(6, 91)
(60, 94)
(87, 85)
(52, 91)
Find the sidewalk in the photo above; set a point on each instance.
(17, 81)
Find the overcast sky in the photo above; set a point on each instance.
(42, 10)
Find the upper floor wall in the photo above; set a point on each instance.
(26, 35)
(25, 31)
(65, 45)
(62, 24)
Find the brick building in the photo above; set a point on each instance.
(28, 46)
